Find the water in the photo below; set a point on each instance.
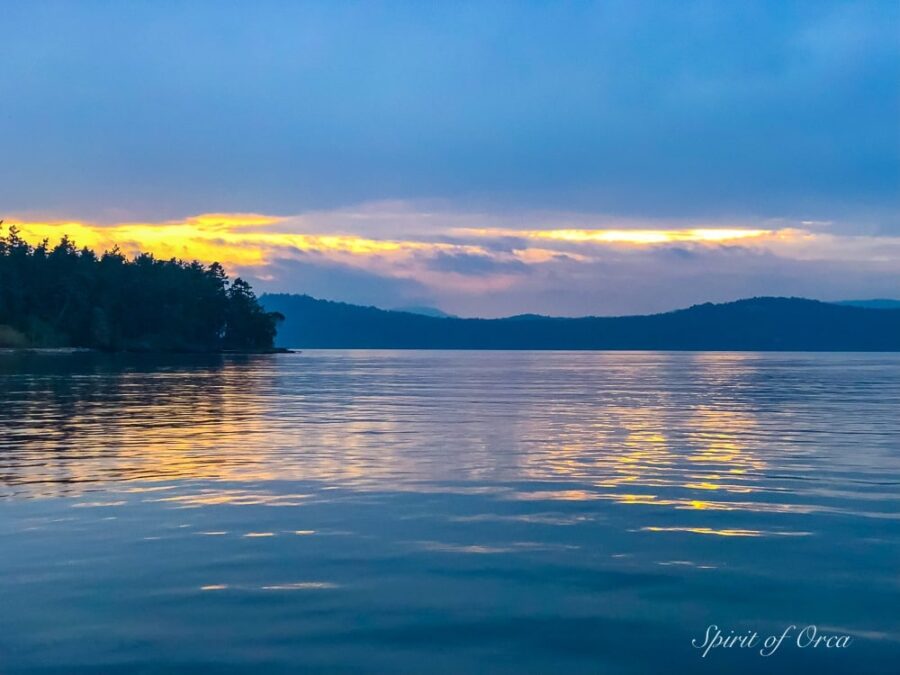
(447, 512)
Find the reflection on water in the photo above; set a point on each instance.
(511, 511)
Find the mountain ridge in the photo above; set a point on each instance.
(872, 303)
(751, 324)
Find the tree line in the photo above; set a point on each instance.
(65, 296)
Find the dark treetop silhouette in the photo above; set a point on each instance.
(755, 324)
(69, 297)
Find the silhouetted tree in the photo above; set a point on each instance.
(65, 296)
(247, 326)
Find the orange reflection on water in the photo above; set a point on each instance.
(377, 428)
(212, 497)
(706, 530)
(723, 532)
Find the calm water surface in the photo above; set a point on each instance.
(447, 512)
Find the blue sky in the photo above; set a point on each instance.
(625, 115)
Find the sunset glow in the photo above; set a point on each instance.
(242, 239)
(231, 239)
(427, 256)
(635, 236)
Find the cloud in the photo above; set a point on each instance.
(578, 265)
(653, 279)
(316, 276)
(623, 236)
(481, 264)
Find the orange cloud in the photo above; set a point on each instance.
(227, 221)
(226, 238)
(242, 241)
(494, 264)
(630, 236)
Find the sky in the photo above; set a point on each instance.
(484, 158)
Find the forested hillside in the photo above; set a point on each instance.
(63, 296)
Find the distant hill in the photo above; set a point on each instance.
(876, 303)
(424, 311)
(753, 324)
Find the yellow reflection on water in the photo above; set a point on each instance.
(300, 586)
(291, 586)
(212, 497)
(660, 447)
(625, 428)
(706, 530)
(728, 532)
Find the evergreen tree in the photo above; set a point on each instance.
(65, 296)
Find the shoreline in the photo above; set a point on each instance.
(92, 350)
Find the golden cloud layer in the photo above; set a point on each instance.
(241, 239)
(250, 240)
(630, 236)
(225, 238)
